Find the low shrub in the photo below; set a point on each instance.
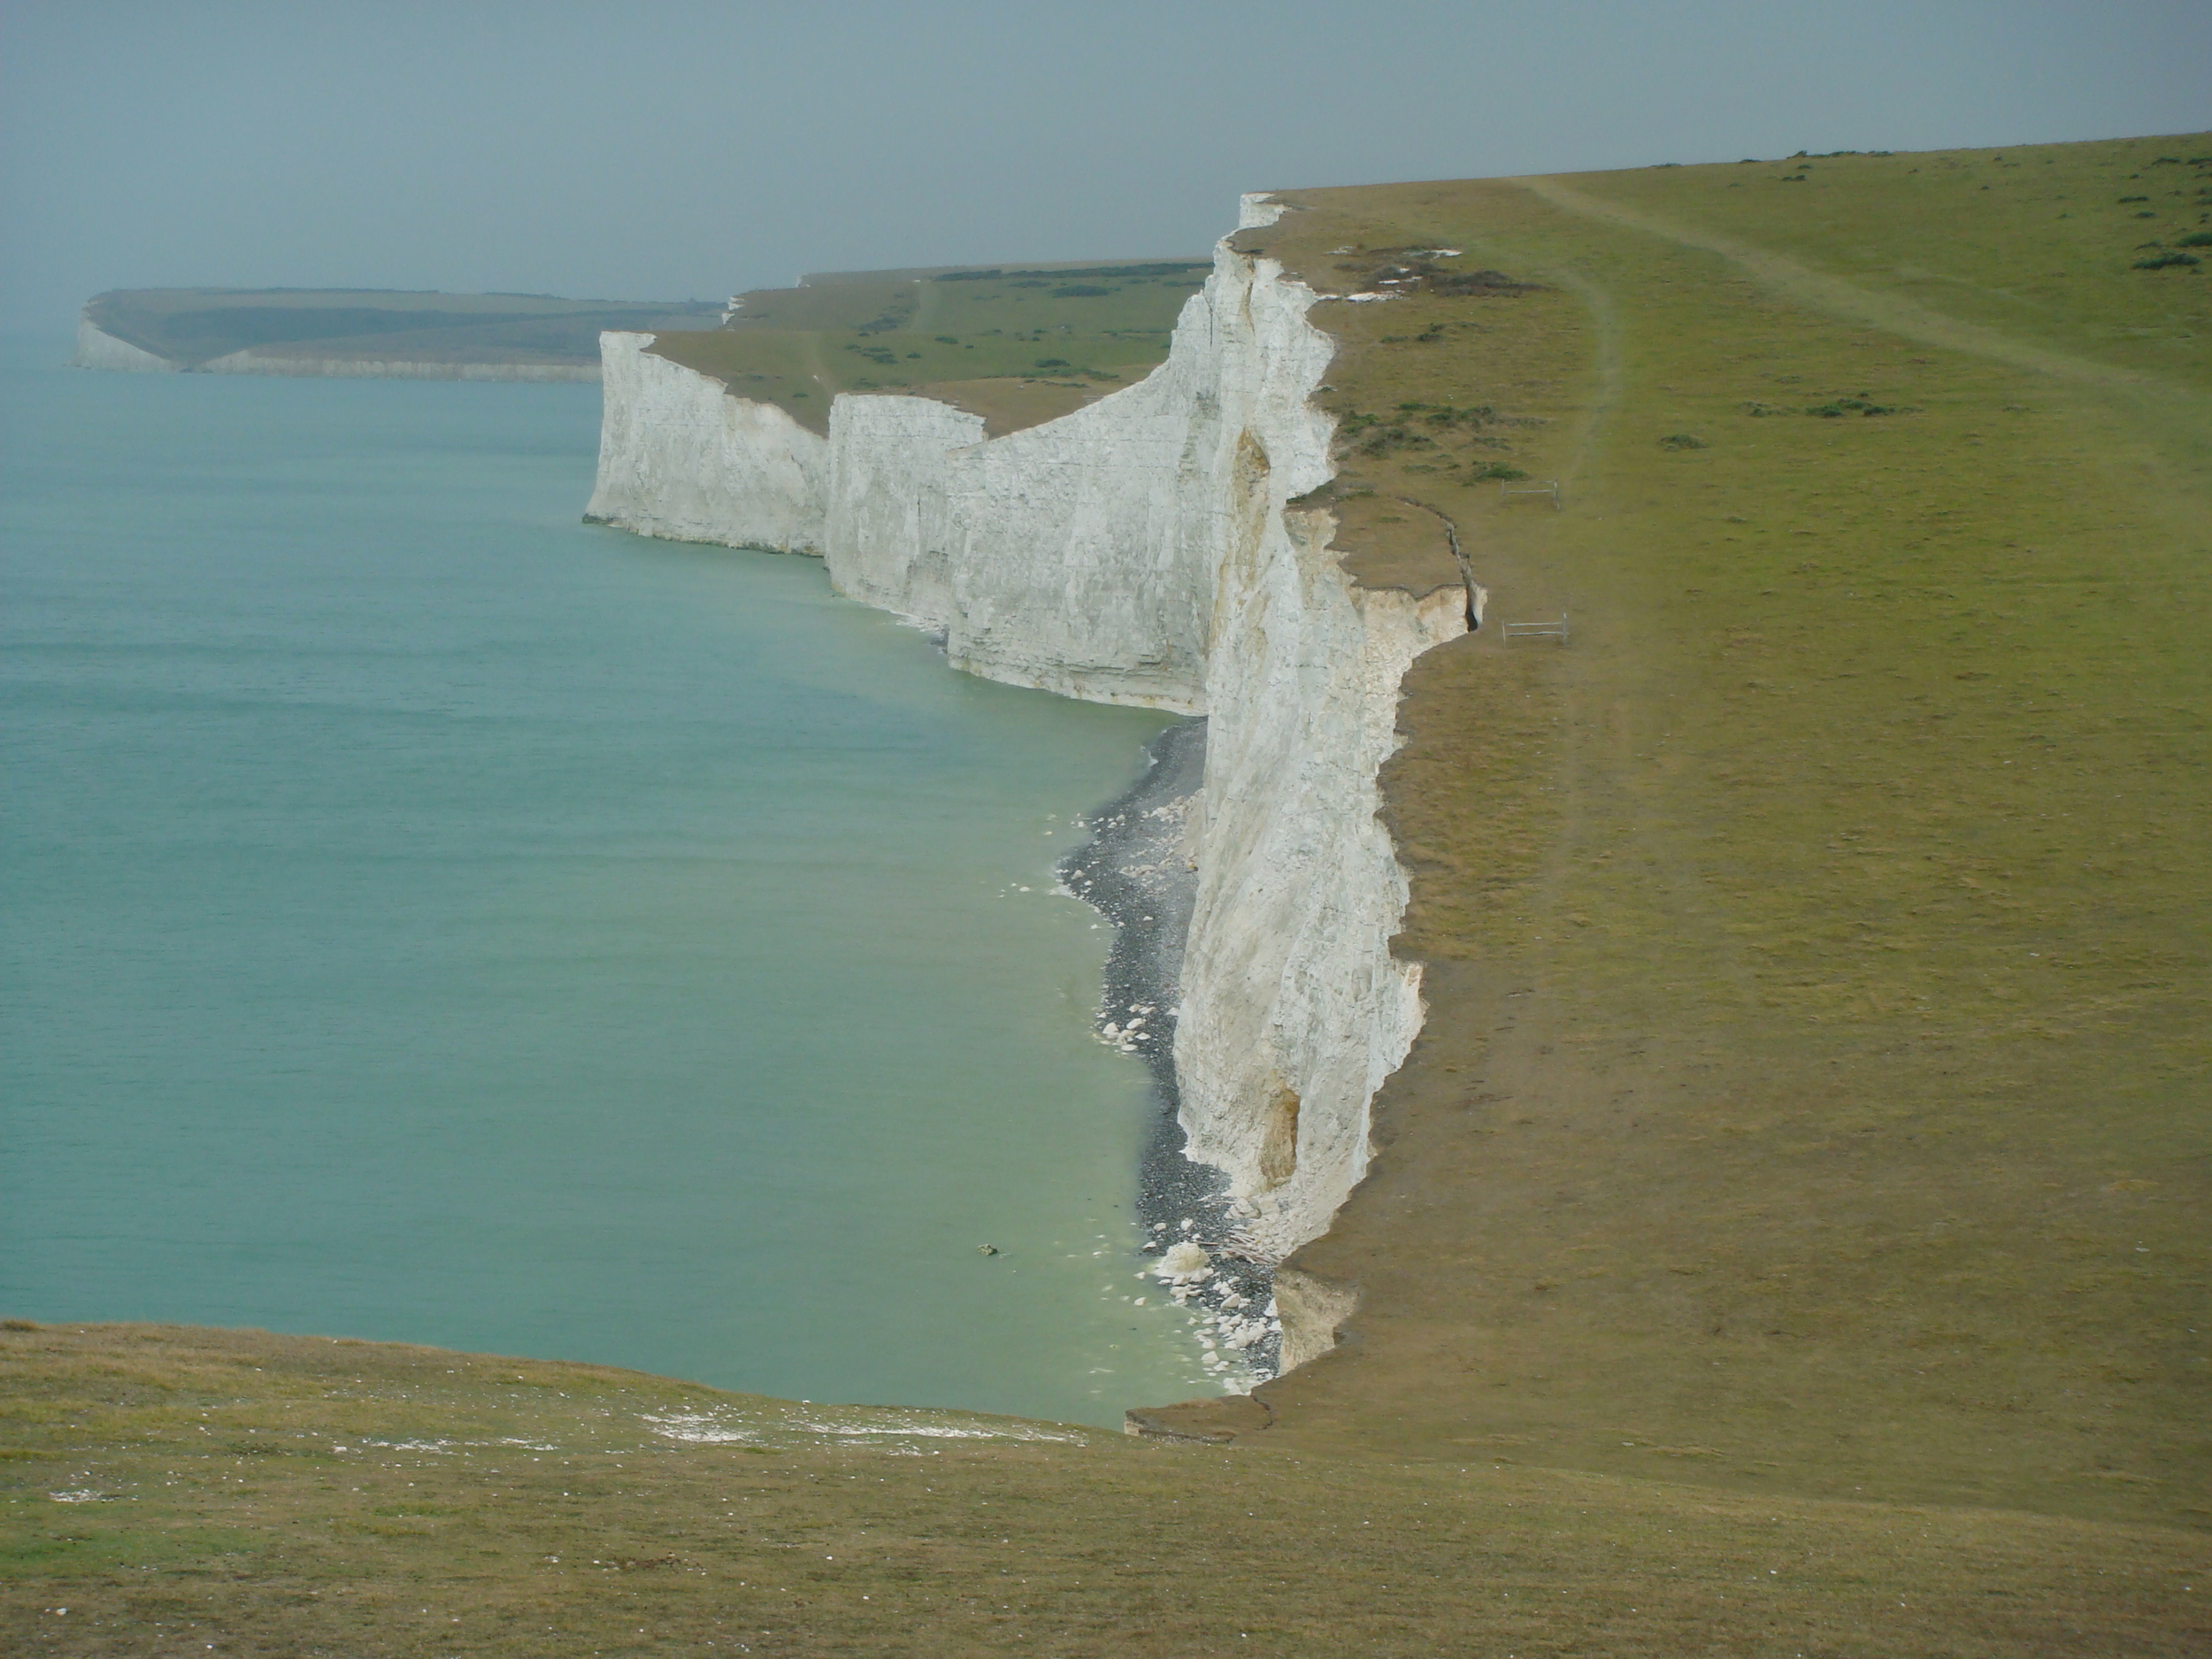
(1480, 282)
(1681, 441)
(1385, 439)
(1449, 414)
(2167, 260)
(1416, 273)
(1836, 409)
(1499, 470)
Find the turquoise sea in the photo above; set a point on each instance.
(429, 917)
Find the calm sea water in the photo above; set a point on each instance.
(429, 917)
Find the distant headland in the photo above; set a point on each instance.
(369, 332)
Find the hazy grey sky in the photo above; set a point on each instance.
(671, 148)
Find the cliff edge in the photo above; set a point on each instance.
(1163, 546)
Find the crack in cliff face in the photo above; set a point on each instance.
(1142, 550)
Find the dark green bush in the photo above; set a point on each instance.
(1384, 440)
(1859, 405)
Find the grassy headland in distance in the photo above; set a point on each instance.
(1788, 1235)
(192, 327)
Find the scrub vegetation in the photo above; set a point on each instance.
(1019, 345)
(1787, 1235)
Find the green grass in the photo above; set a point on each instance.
(251, 1494)
(2051, 239)
(1018, 345)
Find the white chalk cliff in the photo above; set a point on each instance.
(1140, 551)
(96, 348)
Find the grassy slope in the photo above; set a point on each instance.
(1812, 1094)
(194, 326)
(2038, 242)
(249, 1494)
(1018, 349)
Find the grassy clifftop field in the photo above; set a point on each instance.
(1019, 345)
(1812, 1094)
(1788, 1235)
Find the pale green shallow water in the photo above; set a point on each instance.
(428, 918)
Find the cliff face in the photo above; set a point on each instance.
(96, 348)
(680, 457)
(1141, 550)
